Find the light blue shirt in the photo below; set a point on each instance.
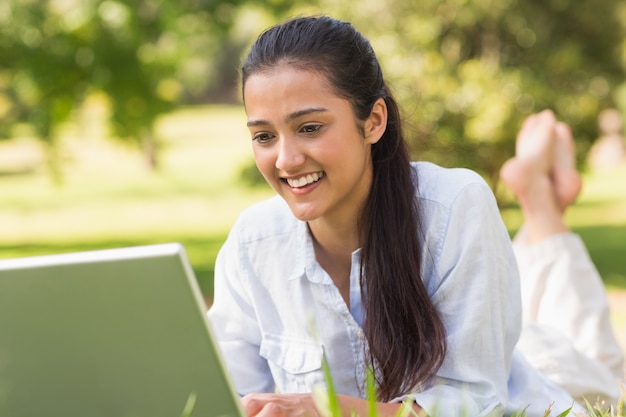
(276, 311)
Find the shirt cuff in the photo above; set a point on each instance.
(552, 247)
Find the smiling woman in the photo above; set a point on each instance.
(364, 258)
(308, 146)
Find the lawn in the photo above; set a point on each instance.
(109, 198)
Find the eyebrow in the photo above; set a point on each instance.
(289, 117)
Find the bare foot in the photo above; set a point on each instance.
(567, 181)
(534, 154)
(530, 175)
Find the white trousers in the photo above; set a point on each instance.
(566, 331)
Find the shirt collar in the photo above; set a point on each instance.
(306, 265)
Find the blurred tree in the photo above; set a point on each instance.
(146, 55)
(39, 80)
(468, 71)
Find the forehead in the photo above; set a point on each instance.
(285, 74)
(286, 88)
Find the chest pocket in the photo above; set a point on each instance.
(296, 364)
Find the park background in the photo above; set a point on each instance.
(121, 122)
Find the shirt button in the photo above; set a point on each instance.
(360, 334)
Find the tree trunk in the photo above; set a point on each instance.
(150, 148)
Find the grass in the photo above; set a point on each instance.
(327, 402)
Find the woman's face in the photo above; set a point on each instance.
(309, 145)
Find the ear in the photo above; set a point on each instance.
(376, 123)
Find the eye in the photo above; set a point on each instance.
(262, 137)
(310, 129)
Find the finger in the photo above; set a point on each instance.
(253, 404)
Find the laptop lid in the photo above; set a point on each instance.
(110, 333)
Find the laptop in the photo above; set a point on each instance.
(109, 333)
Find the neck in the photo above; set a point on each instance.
(333, 251)
(338, 239)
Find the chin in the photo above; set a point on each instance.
(304, 214)
(305, 217)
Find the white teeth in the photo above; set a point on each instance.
(307, 179)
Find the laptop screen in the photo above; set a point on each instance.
(120, 332)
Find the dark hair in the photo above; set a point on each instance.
(405, 335)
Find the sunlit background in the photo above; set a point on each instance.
(121, 122)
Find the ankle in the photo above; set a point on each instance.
(542, 214)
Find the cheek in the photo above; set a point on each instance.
(344, 152)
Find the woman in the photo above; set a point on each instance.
(363, 258)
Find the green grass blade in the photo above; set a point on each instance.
(189, 405)
(370, 381)
(333, 402)
(564, 413)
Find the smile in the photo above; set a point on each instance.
(305, 180)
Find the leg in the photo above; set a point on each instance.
(563, 296)
(542, 175)
(567, 332)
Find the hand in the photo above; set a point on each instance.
(279, 405)
(303, 405)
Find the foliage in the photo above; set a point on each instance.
(599, 411)
(466, 71)
(469, 71)
(250, 176)
(147, 56)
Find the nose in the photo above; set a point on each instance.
(290, 156)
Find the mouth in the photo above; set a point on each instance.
(303, 181)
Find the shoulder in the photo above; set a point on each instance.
(458, 213)
(444, 186)
(264, 219)
(462, 231)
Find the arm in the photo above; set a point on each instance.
(234, 323)
(292, 405)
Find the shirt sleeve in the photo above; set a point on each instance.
(472, 278)
(234, 324)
